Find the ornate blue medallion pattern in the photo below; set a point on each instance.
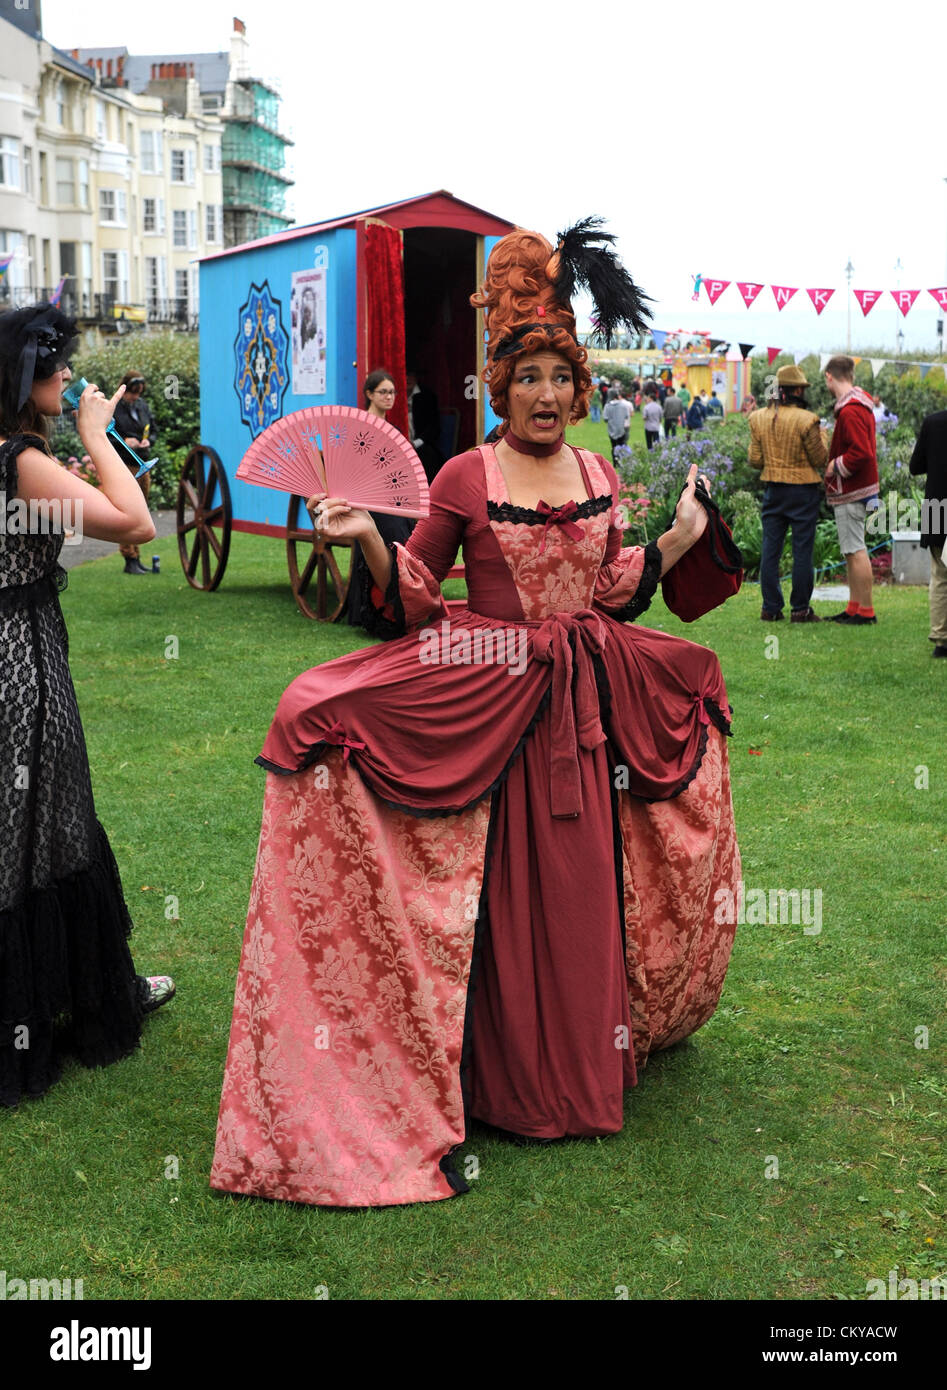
(261, 350)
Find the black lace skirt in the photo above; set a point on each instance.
(67, 981)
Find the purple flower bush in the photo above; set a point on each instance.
(720, 454)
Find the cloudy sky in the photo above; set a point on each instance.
(757, 142)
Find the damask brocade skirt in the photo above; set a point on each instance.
(402, 974)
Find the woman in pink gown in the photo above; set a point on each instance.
(490, 848)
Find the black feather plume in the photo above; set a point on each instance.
(586, 261)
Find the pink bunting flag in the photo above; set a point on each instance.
(783, 294)
(868, 299)
(749, 289)
(715, 288)
(772, 354)
(940, 295)
(905, 299)
(820, 298)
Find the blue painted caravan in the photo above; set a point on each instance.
(300, 319)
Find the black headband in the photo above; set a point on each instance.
(512, 343)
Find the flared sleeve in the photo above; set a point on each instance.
(629, 575)
(413, 596)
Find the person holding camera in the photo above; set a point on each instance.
(135, 423)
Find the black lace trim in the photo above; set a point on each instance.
(717, 717)
(646, 590)
(505, 511)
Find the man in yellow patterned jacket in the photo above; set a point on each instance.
(786, 443)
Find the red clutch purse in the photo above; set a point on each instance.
(710, 572)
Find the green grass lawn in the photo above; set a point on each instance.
(811, 1059)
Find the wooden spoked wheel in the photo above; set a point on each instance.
(204, 518)
(319, 587)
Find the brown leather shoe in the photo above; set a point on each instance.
(804, 615)
(769, 617)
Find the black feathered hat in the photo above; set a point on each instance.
(35, 342)
(585, 265)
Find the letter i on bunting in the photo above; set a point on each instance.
(715, 288)
(820, 298)
(940, 295)
(749, 290)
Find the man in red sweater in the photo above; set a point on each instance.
(851, 479)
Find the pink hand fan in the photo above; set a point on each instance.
(343, 452)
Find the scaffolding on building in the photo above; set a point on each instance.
(253, 158)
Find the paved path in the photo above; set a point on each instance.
(72, 555)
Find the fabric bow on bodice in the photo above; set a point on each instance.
(559, 516)
(576, 721)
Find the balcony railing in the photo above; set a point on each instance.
(173, 311)
(78, 304)
(105, 309)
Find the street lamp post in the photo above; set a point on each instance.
(899, 335)
(849, 272)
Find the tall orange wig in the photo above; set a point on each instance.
(518, 293)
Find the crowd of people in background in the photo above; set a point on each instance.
(661, 404)
(799, 467)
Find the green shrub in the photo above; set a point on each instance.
(65, 442)
(747, 526)
(818, 398)
(613, 371)
(170, 364)
(825, 551)
(909, 397)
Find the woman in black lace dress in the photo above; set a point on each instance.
(67, 982)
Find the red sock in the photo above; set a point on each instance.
(868, 612)
(852, 608)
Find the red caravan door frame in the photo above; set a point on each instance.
(361, 322)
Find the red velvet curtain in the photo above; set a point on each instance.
(384, 310)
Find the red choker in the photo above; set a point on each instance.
(526, 446)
